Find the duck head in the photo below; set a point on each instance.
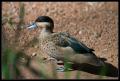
(44, 22)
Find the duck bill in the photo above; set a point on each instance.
(32, 26)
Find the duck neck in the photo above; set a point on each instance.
(45, 32)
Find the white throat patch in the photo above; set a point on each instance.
(43, 24)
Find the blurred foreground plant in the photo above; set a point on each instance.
(9, 70)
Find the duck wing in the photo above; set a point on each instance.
(76, 45)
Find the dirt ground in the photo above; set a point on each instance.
(95, 24)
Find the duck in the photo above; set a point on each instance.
(61, 45)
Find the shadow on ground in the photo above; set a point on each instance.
(107, 70)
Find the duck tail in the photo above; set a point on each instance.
(82, 58)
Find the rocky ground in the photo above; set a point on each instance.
(95, 24)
